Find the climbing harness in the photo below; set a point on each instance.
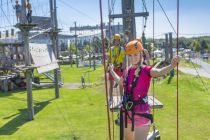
(128, 103)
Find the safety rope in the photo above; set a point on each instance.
(110, 59)
(105, 77)
(153, 81)
(204, 85)
(145, 18)
(177, 87)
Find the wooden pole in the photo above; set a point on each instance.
(54, 42)
(75, 23)
(25, 28)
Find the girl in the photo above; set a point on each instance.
(136, 82)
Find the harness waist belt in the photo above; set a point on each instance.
(141, 101)
(145, 115)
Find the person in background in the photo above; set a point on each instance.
(116, 57)
(29, 11)
(17, 8)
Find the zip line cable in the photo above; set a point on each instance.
(166, 16)
(105, 77)
(144, 5)
(206, 70)
(6, 17)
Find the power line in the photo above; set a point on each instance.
(6, 16)
(82, 13)
(197, 34)
(166, 16)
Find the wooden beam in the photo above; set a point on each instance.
(143, 14)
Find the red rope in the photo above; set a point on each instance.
(177, 52)
(153, 40)
(105, 77)
(110, 58)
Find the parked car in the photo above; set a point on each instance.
(205, 56)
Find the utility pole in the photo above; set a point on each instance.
(56, 28)
(166, 48)
(53, 34)
(118, 27)
(89, 54)
(143, 38)
(70, 56)
(75, 27)
(94, 51)
(170, 46)
(128, 15)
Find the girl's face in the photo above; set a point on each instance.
(135, 58)
(116, 42)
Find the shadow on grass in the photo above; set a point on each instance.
(21, 91)
(21, 118)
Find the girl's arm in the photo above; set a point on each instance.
(159, 72)
(117, 79)
(147, 57)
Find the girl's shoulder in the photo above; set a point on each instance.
(146, 69)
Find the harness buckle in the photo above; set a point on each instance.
(129, 105)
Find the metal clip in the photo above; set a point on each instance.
(129, 105)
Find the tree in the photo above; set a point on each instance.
(195, 45)
(88, 49)
(204, 46)
(72, 48)
(97, 44)
(106, 43)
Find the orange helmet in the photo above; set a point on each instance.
(133, 47)
(117, 37)
(139, 39)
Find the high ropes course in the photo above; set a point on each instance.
(44, 56)
(8, 17)
(8, 21)
(154, 135)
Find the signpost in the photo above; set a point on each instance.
(43, 57)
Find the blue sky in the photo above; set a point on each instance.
(194, 14)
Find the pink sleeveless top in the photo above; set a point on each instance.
(141, 88)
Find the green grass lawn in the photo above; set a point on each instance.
(81, 114)
(194, 105)
(73, 74)
(77, 114)
(188, 64)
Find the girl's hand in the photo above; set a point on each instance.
(111, 67)
(175, 61)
